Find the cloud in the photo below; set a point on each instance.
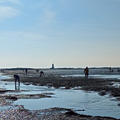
(7, 12)
(22, 36)
(10, 1)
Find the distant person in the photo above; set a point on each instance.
(86, 71)
(41, 73)
(118, 70)
(17, 79)
(110, 69)
(26, 71)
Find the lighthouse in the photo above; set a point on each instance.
(53, 66)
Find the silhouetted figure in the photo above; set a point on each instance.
(26, 71)
(118, 70)
(17, 79)
(41, 73)
(86, 71)
(111, 70)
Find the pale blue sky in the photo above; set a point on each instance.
(68, 33)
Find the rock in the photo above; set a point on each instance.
(71, 113)
(67, 87)
(118, 104)
(26, 83)
(49, 85)
(102, 93)
(14, 98)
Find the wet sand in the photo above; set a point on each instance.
(102, 86)
(19, 113)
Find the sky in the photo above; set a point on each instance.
(68, 33)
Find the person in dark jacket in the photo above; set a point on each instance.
(17, 79)
(41, 73)
(86, 71)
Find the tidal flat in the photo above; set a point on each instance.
(82, 98)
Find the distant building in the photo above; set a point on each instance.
(53, 67)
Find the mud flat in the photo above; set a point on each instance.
(26, 96)
(101, 86)
(19, 113)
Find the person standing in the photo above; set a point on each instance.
(17, 79)
(26, 71)
(41, 73)
(86, 71)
